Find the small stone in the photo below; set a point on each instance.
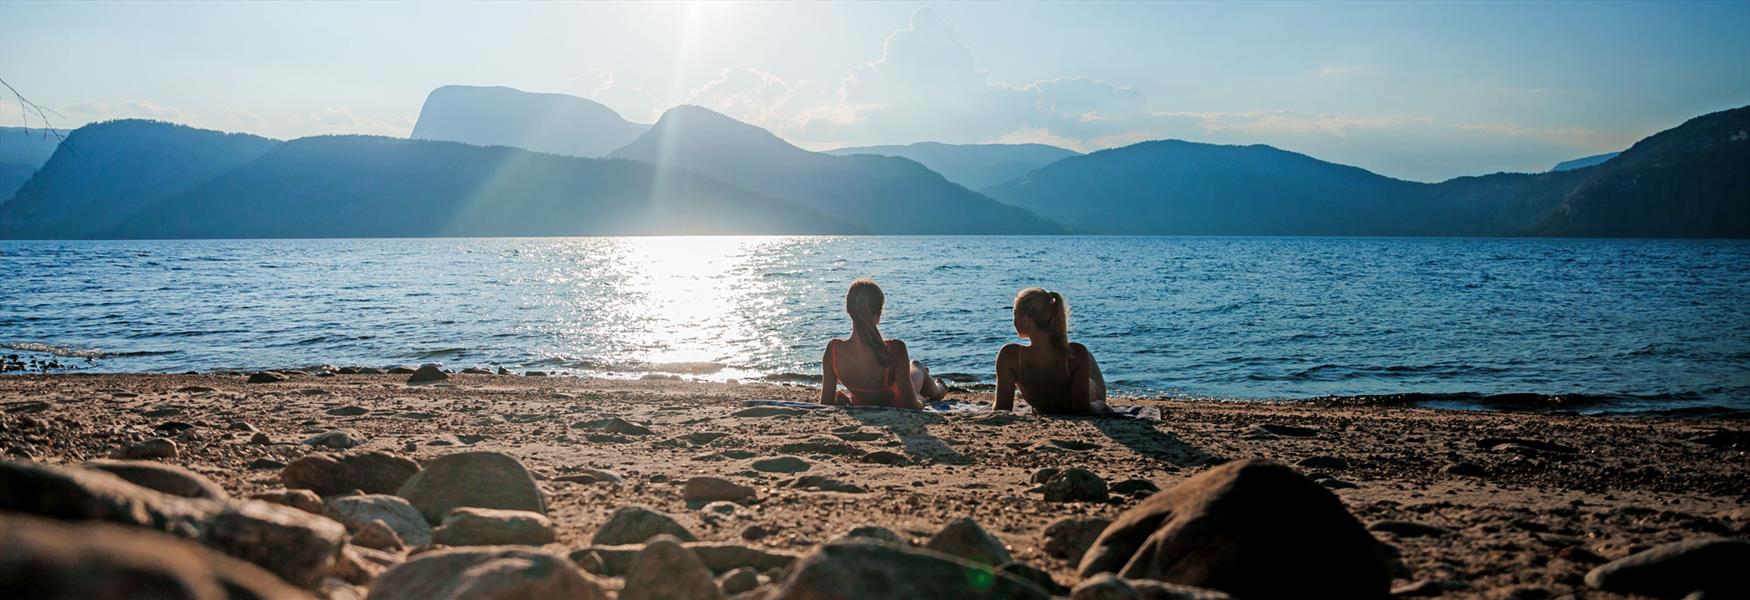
(965, 539)
(739, 580)
(377, 534)
(492, 527)
(884, 457)
(489, 573)
(1044, 475)
(1075, 485)
(874, 533)
(587, 476)
(266, 377)
(822, 483)
(1465, 469)
(401, 370)
(755, 532)
(782, 464)
(338, 439)
(152, 448)
(590, 562)
(634, 524)
(427, 374)
(709, 489)
(347, 411)
(266, 464)
(1069, 537)
(363, 509)
(303, 500)
(615, 425)
(260, 439)
(664, 569)
(1132, 487)
(243, 426)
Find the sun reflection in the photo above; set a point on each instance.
(684, 296)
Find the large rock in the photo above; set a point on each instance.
(1710, 565)
(41, 558)
(1251, 528)
(868, 571)
(304, 500)
(372, 472)
(963, 538)
(358, 511)
(664, 569)
(486, 573)
(712, 489)
(91, 495)
(1068, 538)
(427, 374)
(492, 527)
(634, 524)
(170, 479)
(296, 545)
(472, 479)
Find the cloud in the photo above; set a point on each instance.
(747, 94)
(632, 102)
(342, 120)
(246, 120)
(135, 109)
(148, 110)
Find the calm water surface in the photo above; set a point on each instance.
(1642, 324)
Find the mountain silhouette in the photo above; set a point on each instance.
(975, 166)
(501, 116)
(883, 195)
(232, 186)
(1583, 162)
(107, 172)
(22, 151)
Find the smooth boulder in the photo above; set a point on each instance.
(1251, 528)
(358, 511)
(1068, 538)
(427, 374)
(664, 569)
(712, 489)
(1075, 485)
(170, 479)
(42, 558)
(327, 474)
(486, 573)
(855, 570)
(472, 479)
(1710, 565)
(493, 527)
(964, 538)
(634, 524)
(297, 546)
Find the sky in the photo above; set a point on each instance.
(1417, 90)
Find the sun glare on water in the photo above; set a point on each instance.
(688, 299)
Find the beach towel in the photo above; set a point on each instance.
(962, 407)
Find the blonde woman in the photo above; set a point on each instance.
(1054, 375)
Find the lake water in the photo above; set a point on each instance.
(1624, 324)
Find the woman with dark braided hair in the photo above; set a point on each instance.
(1054, 375)
(875, 371)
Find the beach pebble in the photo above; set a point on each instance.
(700, 438)
(243, 426)
(590, 561)
(492, 527)
(266, 377)
(1069, 537)
(664, 569)
(964, 538)
(782, 464)
(152, 448)
(634, 524)
(755, 532)
(822, 483)
(486, 573)
(1075, 485)
(58, 559)
(740, 580)
(266, 464)
(369, 371)
(870, 571)
(1107, 586)
(361, 510)
(474, 479)
(372, 472)
(1407, 529)
(1465, 469)
(534, 373)
(1335, 484)
(476, 371)
(874, 533)
(1300, 530)
(709, 489)
(1714, 566)
(1135, 486)
(260, 439)
(170, 479)
(427, 374)
(378, 535)
(401, 370)
(338, 439)
(590, 475)
(1044, 475)
(614, 425)
(304, 500)
(347, 411)
(195, 389)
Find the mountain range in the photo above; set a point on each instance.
(497, 161)
(23, 150)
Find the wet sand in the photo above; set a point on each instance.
(1521, 505)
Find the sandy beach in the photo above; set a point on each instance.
(1478, 504)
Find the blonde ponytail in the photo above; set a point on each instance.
(1047, 311)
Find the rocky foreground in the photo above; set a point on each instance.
(439, 485)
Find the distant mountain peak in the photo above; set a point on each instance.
(504, 116)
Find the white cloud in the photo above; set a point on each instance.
(342, 120)
(247, 121)
(747, 94)
(147, 109)
(634, 103)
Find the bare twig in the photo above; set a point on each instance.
(42, 113)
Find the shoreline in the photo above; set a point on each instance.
(1517, 502)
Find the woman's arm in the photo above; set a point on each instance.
(1006, 361)
(1080, 399)
(829, 380)
(899, 362)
